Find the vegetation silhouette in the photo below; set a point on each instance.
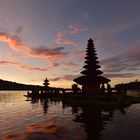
(75, 88)
(135, 85)
(9, 85)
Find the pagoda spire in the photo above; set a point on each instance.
(92, 63)
(91, 78)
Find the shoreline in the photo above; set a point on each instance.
(118, 100)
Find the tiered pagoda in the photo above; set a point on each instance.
(91, 80)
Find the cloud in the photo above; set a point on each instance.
(55, 64)
(22, 66)
(21, 48)
(71, 64)
(127, 61)
(55, 79)
(13, 41)
(81, 54)
(60, 39)
(72, 29)
(76, 29)
(111, 32)
(65, 77)
(44, 52)
(40, 52)
(119, 75)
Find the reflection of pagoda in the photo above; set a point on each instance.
(92, 117)
(91, 79)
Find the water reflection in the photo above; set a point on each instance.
(41, 119)
(91, 117)
(43, 102)
(58, 123)
(133, 93)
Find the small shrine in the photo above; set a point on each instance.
(91, 79)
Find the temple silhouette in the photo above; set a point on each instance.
(91, 80)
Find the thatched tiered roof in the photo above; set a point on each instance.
(91, 74)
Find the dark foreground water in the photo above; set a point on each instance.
(22, 119)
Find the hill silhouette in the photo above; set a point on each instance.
(9, 85)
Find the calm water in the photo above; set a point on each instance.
(22, 119)
(133, 93)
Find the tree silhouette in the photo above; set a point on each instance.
(135, 85)
(75, 88)
(9, 85)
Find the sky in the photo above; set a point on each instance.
(48, 38)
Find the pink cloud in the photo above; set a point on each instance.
(41, 52)
(60, 38)
(71, 64)
(65, 77)
(50, 53)
(75, 29)
(125, 62)
(21, 66)
(80, 54)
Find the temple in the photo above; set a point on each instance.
(91, 80)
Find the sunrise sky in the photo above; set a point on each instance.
(48, 38)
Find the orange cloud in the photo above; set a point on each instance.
(41, 52)
(13, 41)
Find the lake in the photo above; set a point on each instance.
(34, 119)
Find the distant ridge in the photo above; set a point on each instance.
(9, 85)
